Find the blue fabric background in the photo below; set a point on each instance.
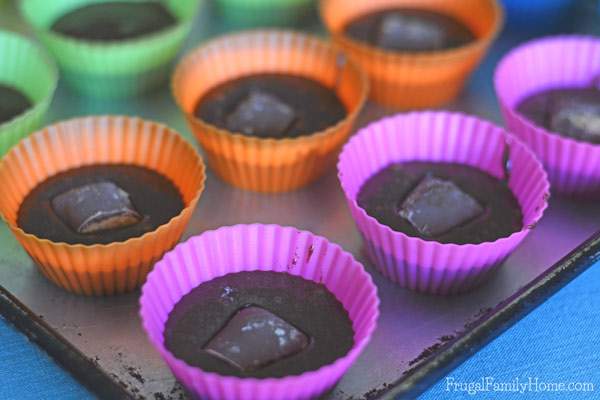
(558, 342)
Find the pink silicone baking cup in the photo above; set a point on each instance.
(429, 266)
(562, 61)
(266, 248)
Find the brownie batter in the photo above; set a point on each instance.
(12, 103)
(116, 20)
(445, 202)
(406, 29)
(271, 105)
(570, 112)
(133, 200)
(236, 310)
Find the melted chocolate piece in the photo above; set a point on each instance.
(255, 337)
(436, 206)
(209, 324)
(271, 105)
(397, 30)
(95, 207)
(52, 211)
(261, 114)
(572, 112)
(406, 29)
(116, 20)
(481, 207)
(12, 103)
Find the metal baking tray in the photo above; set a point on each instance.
(419, 337)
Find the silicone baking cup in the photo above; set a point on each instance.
(416, 80)
(264, 12)
(112, 68)
(269, 165)
(265, 248)
(429, 266)
(25, 67)
(563, 61)
(100, 269)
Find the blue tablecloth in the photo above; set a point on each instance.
(557, 343)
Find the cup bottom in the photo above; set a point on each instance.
(442, 281)
(402, 96)
(105, 283)
(117, 86)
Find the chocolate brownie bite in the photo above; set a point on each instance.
(271, 106)
(570, 112)
(116, 20)
(443, 202)
(409, 30)
(99, 204)
(259, 324)
(12, 103)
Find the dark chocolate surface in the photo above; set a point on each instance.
(570, 112)
(152, 195)
(491, 213)
(271, 105)
(306, 305)
(408, 29)
(12, 103)
(117, 20)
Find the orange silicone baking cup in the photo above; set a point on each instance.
(269, 165)
(116, 267)
(410, 79)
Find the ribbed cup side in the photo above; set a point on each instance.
(562, 61)
(25, 67)
(266, 248)
(116, 267)
(416, 80)
(429, 266)
(268, 165)
(103, 64)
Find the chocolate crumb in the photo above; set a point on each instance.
(506, 162)
(476, 317)
(376, 392)
(425, 353)
(311, 250)
(135, 375)
(446, 338)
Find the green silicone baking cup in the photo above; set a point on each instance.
(254, 13)
(25, 67)
(110, 69)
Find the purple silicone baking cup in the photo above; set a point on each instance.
(265, 248)
(429, 266)
(562, 61)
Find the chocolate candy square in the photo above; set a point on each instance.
(577, 119)
(404, 32)
(261, 114)
(436, 206)
(255, 337)
(95, 207)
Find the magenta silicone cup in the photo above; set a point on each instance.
(562, 61)
(429, 266)
(266, 248)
